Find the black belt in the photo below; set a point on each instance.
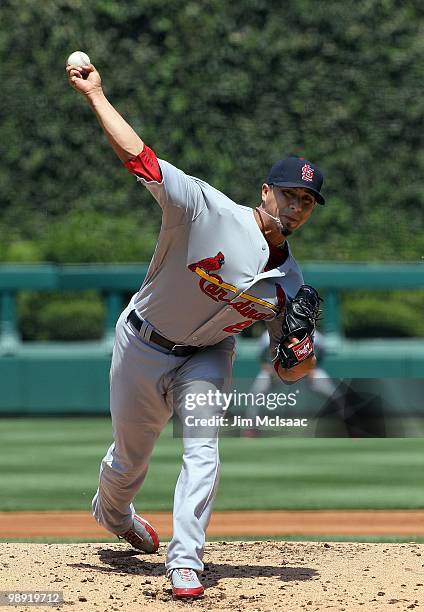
(180, 350)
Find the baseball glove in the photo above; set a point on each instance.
(300, 317)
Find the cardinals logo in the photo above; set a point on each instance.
(209, 264)
(212, 285)
(307, 173)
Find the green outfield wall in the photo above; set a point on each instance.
(73, 377)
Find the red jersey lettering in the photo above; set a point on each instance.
(238, 327)
(218, 294)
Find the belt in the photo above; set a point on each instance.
(180, 350)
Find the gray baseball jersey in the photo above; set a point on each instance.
(206, 280)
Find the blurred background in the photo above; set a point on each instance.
(221, 90)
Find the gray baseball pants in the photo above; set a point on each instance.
(148, 384)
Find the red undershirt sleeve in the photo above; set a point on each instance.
(145, 165)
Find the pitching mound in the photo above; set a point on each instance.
(239, 576)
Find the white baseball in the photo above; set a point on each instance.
(78, 58)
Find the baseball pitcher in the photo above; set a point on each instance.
(218, 268)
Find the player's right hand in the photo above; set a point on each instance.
(84, 79)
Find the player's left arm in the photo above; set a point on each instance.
(294, 349)
(295, 373)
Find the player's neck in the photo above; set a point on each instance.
(269, 228)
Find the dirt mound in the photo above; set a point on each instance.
(239, 576)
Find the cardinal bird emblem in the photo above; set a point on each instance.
(209, 264)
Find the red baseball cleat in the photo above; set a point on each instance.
(186, 584)
(142, 535)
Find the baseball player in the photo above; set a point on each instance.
(218, 268)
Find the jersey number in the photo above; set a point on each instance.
(238, 327)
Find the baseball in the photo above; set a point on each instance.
(78, 58)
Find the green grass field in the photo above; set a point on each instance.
(267, 538)
(52, 464)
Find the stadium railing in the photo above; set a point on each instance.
(26, 366)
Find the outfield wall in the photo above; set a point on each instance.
(73, 377)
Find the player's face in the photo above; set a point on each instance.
(292, 205)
